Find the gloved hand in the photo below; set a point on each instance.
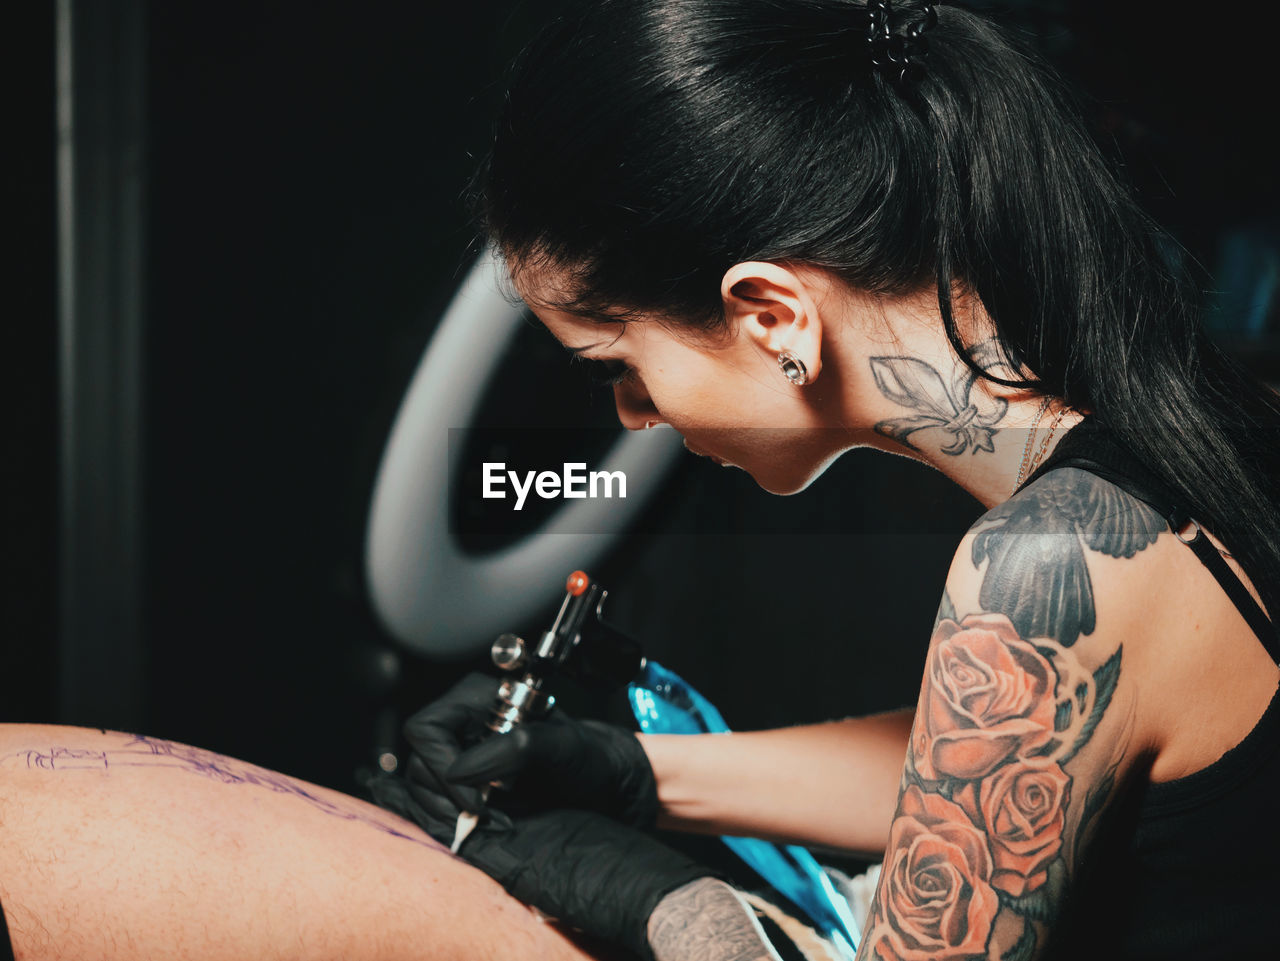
(557, 762)
(579, 867)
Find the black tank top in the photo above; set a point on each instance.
(1187, 868)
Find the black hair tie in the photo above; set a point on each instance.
(899, 51)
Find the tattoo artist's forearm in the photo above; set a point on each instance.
(782, 785)
(705, 920)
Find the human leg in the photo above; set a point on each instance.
(117, 846)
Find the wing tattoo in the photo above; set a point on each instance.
(1035, 543)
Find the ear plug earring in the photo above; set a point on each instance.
(793, 368)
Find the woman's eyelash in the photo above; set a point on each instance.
(605, 373)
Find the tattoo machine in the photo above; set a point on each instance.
(582, 645)
(579, 644)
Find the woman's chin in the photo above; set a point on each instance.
(784, 482)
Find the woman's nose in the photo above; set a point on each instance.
(635, 407)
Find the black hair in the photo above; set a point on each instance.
(648, 145)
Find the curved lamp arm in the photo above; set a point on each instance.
(428, 593)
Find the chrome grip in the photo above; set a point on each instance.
(517, 701)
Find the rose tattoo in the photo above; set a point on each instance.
(937, 889)
(989, 698)
(1023, 806)
(981, 821)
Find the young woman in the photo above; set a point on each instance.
(792, 227)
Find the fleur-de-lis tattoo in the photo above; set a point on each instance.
(914, 384)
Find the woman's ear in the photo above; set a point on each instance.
(775, 306)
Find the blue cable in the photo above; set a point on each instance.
(664, 703)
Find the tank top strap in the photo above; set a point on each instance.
(1091, 447)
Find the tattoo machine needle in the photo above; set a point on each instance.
(467, 822)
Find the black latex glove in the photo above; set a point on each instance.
(557, 762)
(577, 866)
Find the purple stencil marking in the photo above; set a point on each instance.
(139, 751)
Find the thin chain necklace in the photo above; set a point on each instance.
(1026, 448)
(1035, 461)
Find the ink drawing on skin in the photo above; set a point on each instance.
(124, 751)
(952, 408)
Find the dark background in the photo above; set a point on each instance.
(303, 227)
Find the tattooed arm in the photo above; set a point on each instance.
(1027, 727)
(708, 921)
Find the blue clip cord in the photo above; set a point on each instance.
(664, 703)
